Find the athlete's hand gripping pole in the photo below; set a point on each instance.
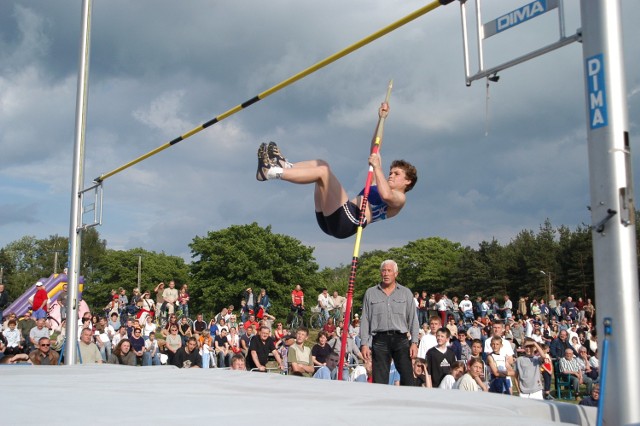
(375, 148)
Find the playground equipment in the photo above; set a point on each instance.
(53, 285)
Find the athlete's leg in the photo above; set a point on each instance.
(329, 194)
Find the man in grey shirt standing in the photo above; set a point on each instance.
(389, 327)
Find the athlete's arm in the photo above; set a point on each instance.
(394, 198)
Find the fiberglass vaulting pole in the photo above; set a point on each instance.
(356, 249)
(75, 228)
(612, 207)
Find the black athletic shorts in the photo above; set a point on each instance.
(342, 223)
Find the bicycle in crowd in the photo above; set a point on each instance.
(296, 317)
(318, 319)
(163, 317)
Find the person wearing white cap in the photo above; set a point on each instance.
(40, 302)
(466, 305)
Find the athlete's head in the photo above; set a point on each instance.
(410, 172)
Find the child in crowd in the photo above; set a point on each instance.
(457, 370)
(528, 368)
(439, 358)
(500, 366)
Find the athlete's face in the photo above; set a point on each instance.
(397, 178)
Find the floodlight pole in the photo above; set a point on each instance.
(139, 270)
(75, 227)
(612, 207)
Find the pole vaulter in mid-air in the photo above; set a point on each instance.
(336, 214)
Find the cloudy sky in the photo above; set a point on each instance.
(488, 166)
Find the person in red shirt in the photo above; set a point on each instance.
(40, 302)
(251, 322)
(330, 328)
(297, 301)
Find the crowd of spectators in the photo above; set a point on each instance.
(478, 345)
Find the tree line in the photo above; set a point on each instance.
(226, 262)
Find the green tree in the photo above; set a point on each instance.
(491, 276)
(575, 263)
(230, 260)
(119, 269)
(23, 268)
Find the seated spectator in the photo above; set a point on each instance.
(330, 328)
(148, 328)
(114, 321)
(245, 340)
(362, 373)
(354, 331)
(252, 322)
(575, 343)
(89, 352)
(472, 380)
(299, 358)
(278, 333)
(588, 375)
(352, 351)
(11, 316)
(122, 354)
(560, 344)
(321, 350)
(17, 359)
(476, 350)
(283, 349)
(420, 372)
(206, 349)
(394, 376)
(187, 356)
(43, 355)
(452, 327)
(199, 325)
(121, 334)
(173, 342)
(238, 363)
(460, 346)
(570, 368)
(456, 371)
(205, 339)
(223, 349)
(25, 324)
(329, 371)
(137, 345)
(593, 399)
(213, 326)
(151, 355)
(259, 349)
(223, 314)
(595, 362)
(13, 338)
(475, 331)
(37, 332)
(173, 320)
(184, 329)
(234, 341)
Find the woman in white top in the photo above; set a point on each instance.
(149, 327)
